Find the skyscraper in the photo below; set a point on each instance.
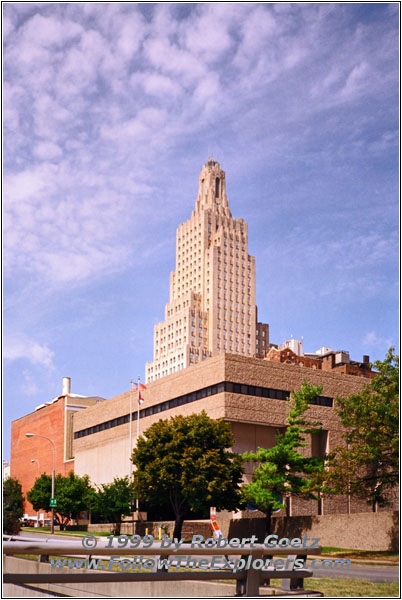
(212, 291)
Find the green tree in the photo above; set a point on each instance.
(114, 500)
(73, 495)
(367, 465)
(185, 462)
(283, 469)
(13, 506)
(41, 492)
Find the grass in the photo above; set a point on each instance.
(69, 533)
(373, 555)
(349, 588)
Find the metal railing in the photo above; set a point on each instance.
(248, 579)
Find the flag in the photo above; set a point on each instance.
(136, 387)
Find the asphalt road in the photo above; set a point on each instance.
(376, 574)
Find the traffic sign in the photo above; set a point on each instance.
(53, 503)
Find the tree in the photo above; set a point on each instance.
(282, 469)
(72, 494)
(13, 506)
(367, 465)
(41, 492)
(184, 462)
(113, 501)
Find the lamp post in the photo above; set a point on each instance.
(53, 471)
(37, 512)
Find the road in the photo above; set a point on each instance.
(374, 573)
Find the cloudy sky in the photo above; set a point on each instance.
(111, 109)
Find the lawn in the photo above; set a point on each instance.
(69, 533)
(373, 555)
(343, 588)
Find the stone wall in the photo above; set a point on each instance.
(361, 531)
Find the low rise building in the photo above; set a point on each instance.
(249, 393)
(324, 359)
(31, 456)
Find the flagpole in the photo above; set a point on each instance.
(138, 432)
(131, 431)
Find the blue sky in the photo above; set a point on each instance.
(111, 109)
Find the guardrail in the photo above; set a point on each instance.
(248, 579)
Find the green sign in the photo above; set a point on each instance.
(53, 503)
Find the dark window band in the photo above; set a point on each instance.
(225, 386)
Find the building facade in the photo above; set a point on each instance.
(249, 393)
(212, 306)
(32, 456)
(292, 353)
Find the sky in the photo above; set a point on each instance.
(109, 112)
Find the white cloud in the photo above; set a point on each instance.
(95, 94)
(29, 387)
(156, 85)
(376, 341)
(49, 31)
(22, 347)
(62, 238)
(48, 150)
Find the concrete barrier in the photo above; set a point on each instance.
(360, 531)
(143, 589)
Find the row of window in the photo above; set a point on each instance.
(211, 390)
(178, 308)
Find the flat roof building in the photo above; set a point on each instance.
(249, 393)
(32, 456)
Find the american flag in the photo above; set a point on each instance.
(138, 387)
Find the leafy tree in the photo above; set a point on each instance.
(72, 493)
(367, 466)
(41, 492)
(282, 469)
(184, 462)
(13, 506)
(113, 501)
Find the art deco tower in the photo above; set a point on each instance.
(212, 291)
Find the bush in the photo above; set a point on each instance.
(13, 506)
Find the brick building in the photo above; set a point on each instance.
(339, 361)
(53, 420)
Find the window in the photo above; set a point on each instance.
(318, 443)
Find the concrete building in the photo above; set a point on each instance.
(212, 306)
(32, 456)
(6, 470)
(249, 393)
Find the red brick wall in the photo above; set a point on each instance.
(354, 370)
(47, 421)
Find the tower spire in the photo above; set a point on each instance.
(212, 188)
(212, 290)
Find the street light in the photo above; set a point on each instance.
(53, 471)
(37, 512)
